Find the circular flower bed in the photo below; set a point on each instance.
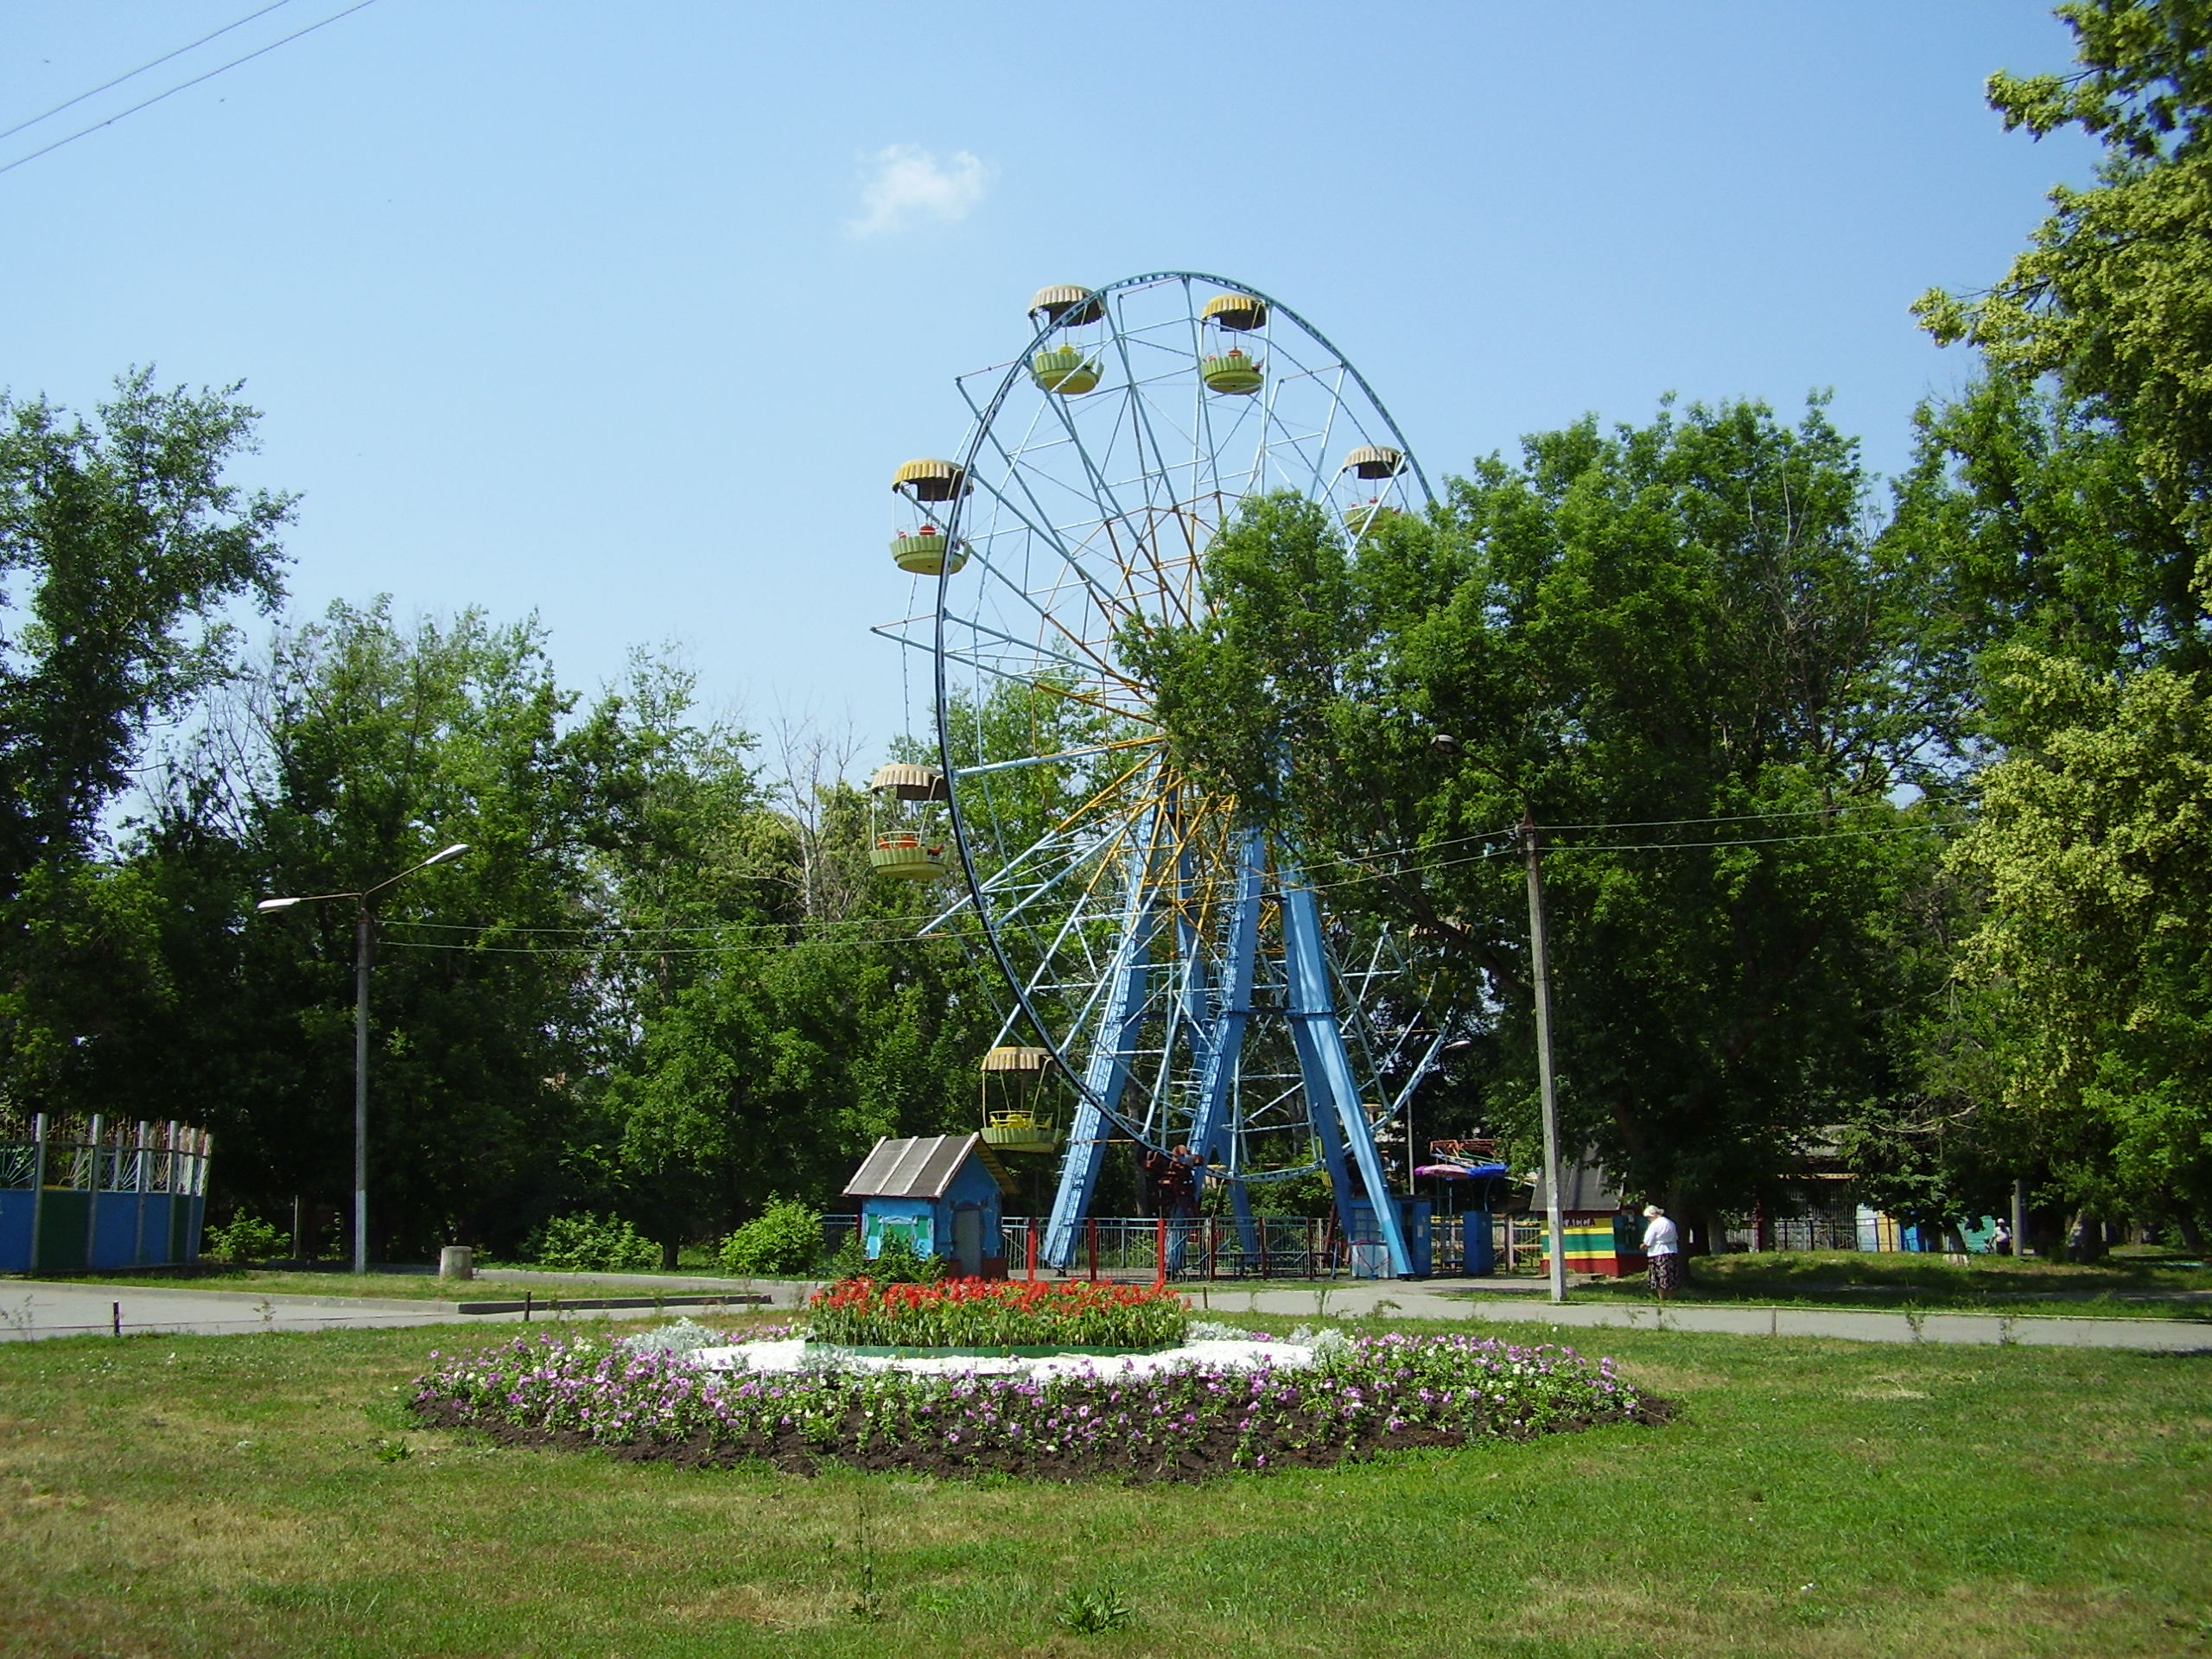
(1358, 1396)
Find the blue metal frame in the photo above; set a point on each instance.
(1226, 1046)
(1327, 1070)
(1107, 1072)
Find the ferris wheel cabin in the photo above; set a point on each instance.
(1226, 367)
(1371, 466)
(1069, 365)
(918, 546)
(911, 841)
(1018, 1112)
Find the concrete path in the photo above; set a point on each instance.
(1429, 1300)
(33, 1308)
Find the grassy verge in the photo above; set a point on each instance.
(404, 1286)
(2127, 1286)
(266, 1494)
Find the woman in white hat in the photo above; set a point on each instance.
(1663, 1243)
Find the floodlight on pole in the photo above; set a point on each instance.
(363, 945)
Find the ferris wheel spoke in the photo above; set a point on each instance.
(1086, 664)
(1064, 754)
(1040, 524)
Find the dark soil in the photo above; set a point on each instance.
(1291, 1445)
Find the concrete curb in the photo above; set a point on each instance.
(2032, 1330)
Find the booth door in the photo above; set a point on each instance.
(967, 1240)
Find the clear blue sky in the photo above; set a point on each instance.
(625, 313)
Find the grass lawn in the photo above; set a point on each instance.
(2133, 1284)
(404, 1287)
(248, 1495)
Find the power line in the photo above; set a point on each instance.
(607, 939)
(879, 941)
(1512, 834)
(132, 75)
(1739, 841)
(84, 132)
(672, 950)
(1732, 818)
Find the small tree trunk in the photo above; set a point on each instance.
(2085, 1240)
(2192, 1236)
(668, 1248)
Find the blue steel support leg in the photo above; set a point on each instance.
(1107, 1070)
(1331, 1088)
(1248, 1233)
(1225, 1045)
(1192, 1027)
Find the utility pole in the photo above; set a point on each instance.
(361, 947)
(2019, 1217)
(1540, 984)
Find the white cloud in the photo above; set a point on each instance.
(905, 183)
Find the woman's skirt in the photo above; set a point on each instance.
(1667, 1274)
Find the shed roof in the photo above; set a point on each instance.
(919, 1168)
(1584, 1188)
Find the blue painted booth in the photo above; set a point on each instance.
(942, 1193)
(78, 1194)
(1370, 1259)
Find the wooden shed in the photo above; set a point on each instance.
(1601, 1230)
(942, 1193)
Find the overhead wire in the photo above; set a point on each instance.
(132, 75)
(873, 934)
(86, 132)
(1512, 833)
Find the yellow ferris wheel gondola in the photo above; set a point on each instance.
(1229, 369)
(910, 837)
(1373, 464)
(1017, 1116)
(1069, 367)
(921, 548)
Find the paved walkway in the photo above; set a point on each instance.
(32, 1308)
(1430, 1300)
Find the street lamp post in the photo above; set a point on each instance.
(361, 952)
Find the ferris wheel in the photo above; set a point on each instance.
(1173, 976)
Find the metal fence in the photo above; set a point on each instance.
(1297, 1247)
(1205, 1247)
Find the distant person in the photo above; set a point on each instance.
(2000, 1240)
(1663, 1243)
(1182, 1187)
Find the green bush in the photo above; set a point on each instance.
(897, 1263)
(589, 1244)
(785, 1237)
(247, 1238)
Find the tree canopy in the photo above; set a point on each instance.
(1874, 821)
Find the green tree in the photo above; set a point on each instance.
(2066, 496)
(2113, 295)
(121, 543)
(786, 1052)
(506, 984)
(1682, 621)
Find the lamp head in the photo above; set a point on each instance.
(276, 904)
(454, 851)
